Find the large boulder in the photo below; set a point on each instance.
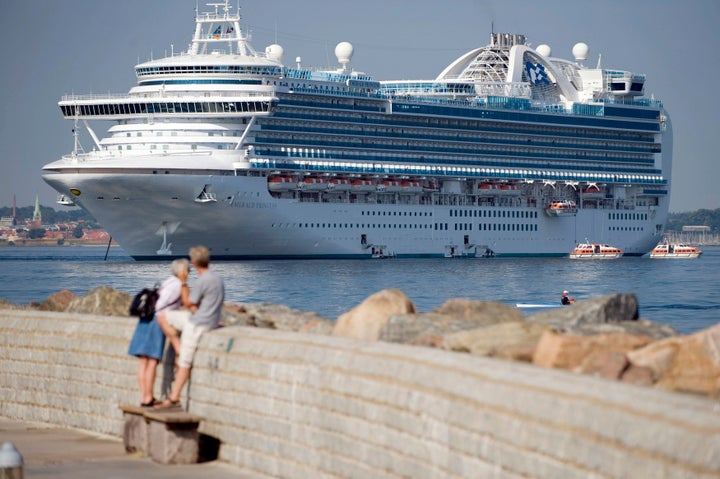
(103, 301)
(480, 313)
(58, 301)
(275, 316)
(367, 319)
(515, 340)
(687, 363)
(603, 354)
(453, 316)
(614, 313)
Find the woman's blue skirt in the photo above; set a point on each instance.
(148, 340)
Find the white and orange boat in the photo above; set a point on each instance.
(595, 251)
(312, 183)
(675, 250)
(561, 208)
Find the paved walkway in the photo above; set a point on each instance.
(50, 451)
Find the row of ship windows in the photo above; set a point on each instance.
(493, 214)
(343, 156)
(168, 107)
(468, 125)
(628, 216)
(460, 148)
(185, 133)
(244, 69)
(526, 116)
(433, 226)
(396, 213)
(550, 139)
(438, 226)
(461, 213)
(626, 228)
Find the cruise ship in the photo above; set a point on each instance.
(509, 151)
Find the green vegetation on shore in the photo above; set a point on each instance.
(710, 218)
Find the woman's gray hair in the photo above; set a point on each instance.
(180, 264)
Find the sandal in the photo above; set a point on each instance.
(167, 404)
(150, 403)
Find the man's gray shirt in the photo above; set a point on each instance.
(208, 294)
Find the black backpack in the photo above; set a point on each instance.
(143, 304)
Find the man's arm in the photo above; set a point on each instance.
(185, 293)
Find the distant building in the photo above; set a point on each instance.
(37, 216)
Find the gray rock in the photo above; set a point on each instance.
(502, 339)
(481, 313)
(58, 301)
(275, 316)
(407, 328)
(612, 313)
(103, 300)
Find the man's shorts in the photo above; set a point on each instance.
(190, 337)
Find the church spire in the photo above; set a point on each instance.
(37, 216)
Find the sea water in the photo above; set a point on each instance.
(679, 292)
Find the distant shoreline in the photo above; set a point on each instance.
(40, 242)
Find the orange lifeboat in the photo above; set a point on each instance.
(312, 183)
(281, 183)
(675, 250)
(362, 185)
(561, 208)
(339, 184)
(595, 251)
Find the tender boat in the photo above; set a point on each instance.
(561, 208)
(595, 251)
(675, 250)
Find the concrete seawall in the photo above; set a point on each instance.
(291, 405)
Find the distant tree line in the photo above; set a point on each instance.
(710, 218)
(49, 215)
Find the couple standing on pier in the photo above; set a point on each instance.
(183, 327)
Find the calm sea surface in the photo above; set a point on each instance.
(682, 293)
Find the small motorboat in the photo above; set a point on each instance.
(675, 250)
(595, 251)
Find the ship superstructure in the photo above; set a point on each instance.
(508, 151)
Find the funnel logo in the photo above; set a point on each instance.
(536, 73)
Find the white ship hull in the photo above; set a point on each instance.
(156, 215)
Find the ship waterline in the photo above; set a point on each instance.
(508, 152)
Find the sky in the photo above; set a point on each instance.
(54, 47)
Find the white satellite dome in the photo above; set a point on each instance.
(544, 50)
(344, 52)
(275, 52)
(580, 51)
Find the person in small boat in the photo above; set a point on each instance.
(565, 299)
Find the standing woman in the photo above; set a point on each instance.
(148, 341)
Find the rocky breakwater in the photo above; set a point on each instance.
(602, 336)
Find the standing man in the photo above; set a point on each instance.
(204, 305)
